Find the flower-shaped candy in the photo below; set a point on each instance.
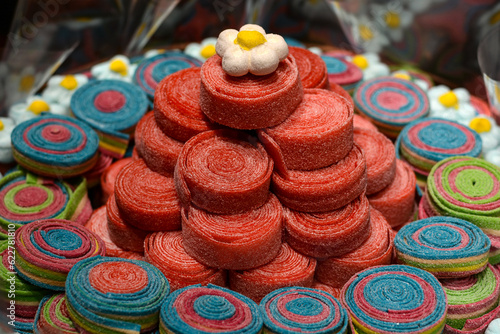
(33, 107)
(203, 50)
(451, 104)
(404, 74)
(250, 50)
(393, 20)
(489, 132)
(60, 88)
(6, 127)
(118, 67)
(366, 35)
(370, 64)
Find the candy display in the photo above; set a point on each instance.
(363, 122)
(312, 69)
(342, 72)
(116, 68)
(53, 317)
(6, 127)
(108, 177)
(370, 64)
(203, 50)
(33, 107)
(93, 176)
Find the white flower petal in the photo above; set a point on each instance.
(253, 27)
(436, 91)
(493, 156)
(406, 18)
(436, 106)
(225, 41)
(462, 94)
(208, 41)
(263, 60)
(236, 62)
(277, 44)
(192, 49)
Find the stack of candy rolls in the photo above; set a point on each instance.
(343, 73)
(342, 92)
(112, 108)
(312, 69)
(391, 103)
(115, 295)
(52, 316)
(146, 199)
(467, 188)
(251, 101)
(24, 325)
(108, 177)
(55, 146)
(376, 250)
(164, 250)
(397, 201)
(46, 250)
(444, 246)
(321, 123)
(395, 299)
(362, 122)
(288, 268)
(152, 70)
(234, 241)
(26, 197)
(93, 176)
(303, 310)
(200, 309)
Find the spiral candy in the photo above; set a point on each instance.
(342, 72)
(52, 316)
(312, 69)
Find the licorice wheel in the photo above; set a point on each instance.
(151, 71)
(471, 297)
(380, 158)
(249, 102)
(112, 108)
(159, 151)
(303, 310)
(223, 171)
(444, 246)
(342, 72)
(239, 241)
(328, 234)
(318, 133)
(46, 250)
(55, 146)
(115, 295)
(52, 316)
(177, 106)
(363, 122)
(198, 309)
(108, 177)
(312, 69)
(147, 200)
(391, 103)
(165, 251)
(288, 268)
(395, 299)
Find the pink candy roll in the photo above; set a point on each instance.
(108, 177)
(326, 288)
(312, 69)
(364, 123)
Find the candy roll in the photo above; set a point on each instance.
(212, 309)
(147, 200)
(444, 246)
(362, 122)
(46, 250)
(395, 299)
(380, 159)
(342, 92)
(52, 317)
(164, 250)
(376, 250)
(116, 295)
(288, 268)
(177, 106)
(312, 69)
(55, 146)
(224, 172)
(93, 176)
(108, 177)
(342, 72)
(239, 241)
(326, 288)
(23, 325)
(328, 234)
(249, 102)
(303, 310)
(318, 133)
(151, 71)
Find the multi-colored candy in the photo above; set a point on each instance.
(52, 316)
(342, 72)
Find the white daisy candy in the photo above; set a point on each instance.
(488, 130)
(118, 67)
(33, 107)
(370, 64)
(367, 36)
(60, 88)
(6, 127)
(493, 327)
(451, 104)
(316, 50)
(393, 20)
(403, 74)
(489, 20)
(250, 50)
(203, 50)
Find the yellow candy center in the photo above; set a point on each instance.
(449, 100)
(403, 76)
(480, 125)
(1, 125)
(365, 32)
(360, 62)
(38, 106)
(392, 20)
(495, 18)
(249, 39)
(26, 83)
(118, 66)
(69, 82)
(208, 51)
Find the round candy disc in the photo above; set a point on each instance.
(52, 316)
(312, 69)
(342, 72)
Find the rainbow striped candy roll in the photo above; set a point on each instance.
(52, 316)
(115, 295)
(46, 250)
(395, 299)
(112, 108)
(303, 310)
(444, 246)
(343, 73)
(211, 309)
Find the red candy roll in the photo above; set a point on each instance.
(326, 288)
(223, 171)
(250, 101)
(328, 234)
(288, 268)
(318, 133)
(364, 123)
(164, 250)
(342, 92)
(158, 150)
(312, 69)
(122, 234)
(177, 105)
(240, 241)
(397, 201)
(93, 176)
(380, 158)
(108, 177)
(147, 200)
(324, 189)
(376, 250)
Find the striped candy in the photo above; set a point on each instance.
(342, 72)
(52, 316)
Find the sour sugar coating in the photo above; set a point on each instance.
(312, 69)
(108, 177)
(53, 316)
